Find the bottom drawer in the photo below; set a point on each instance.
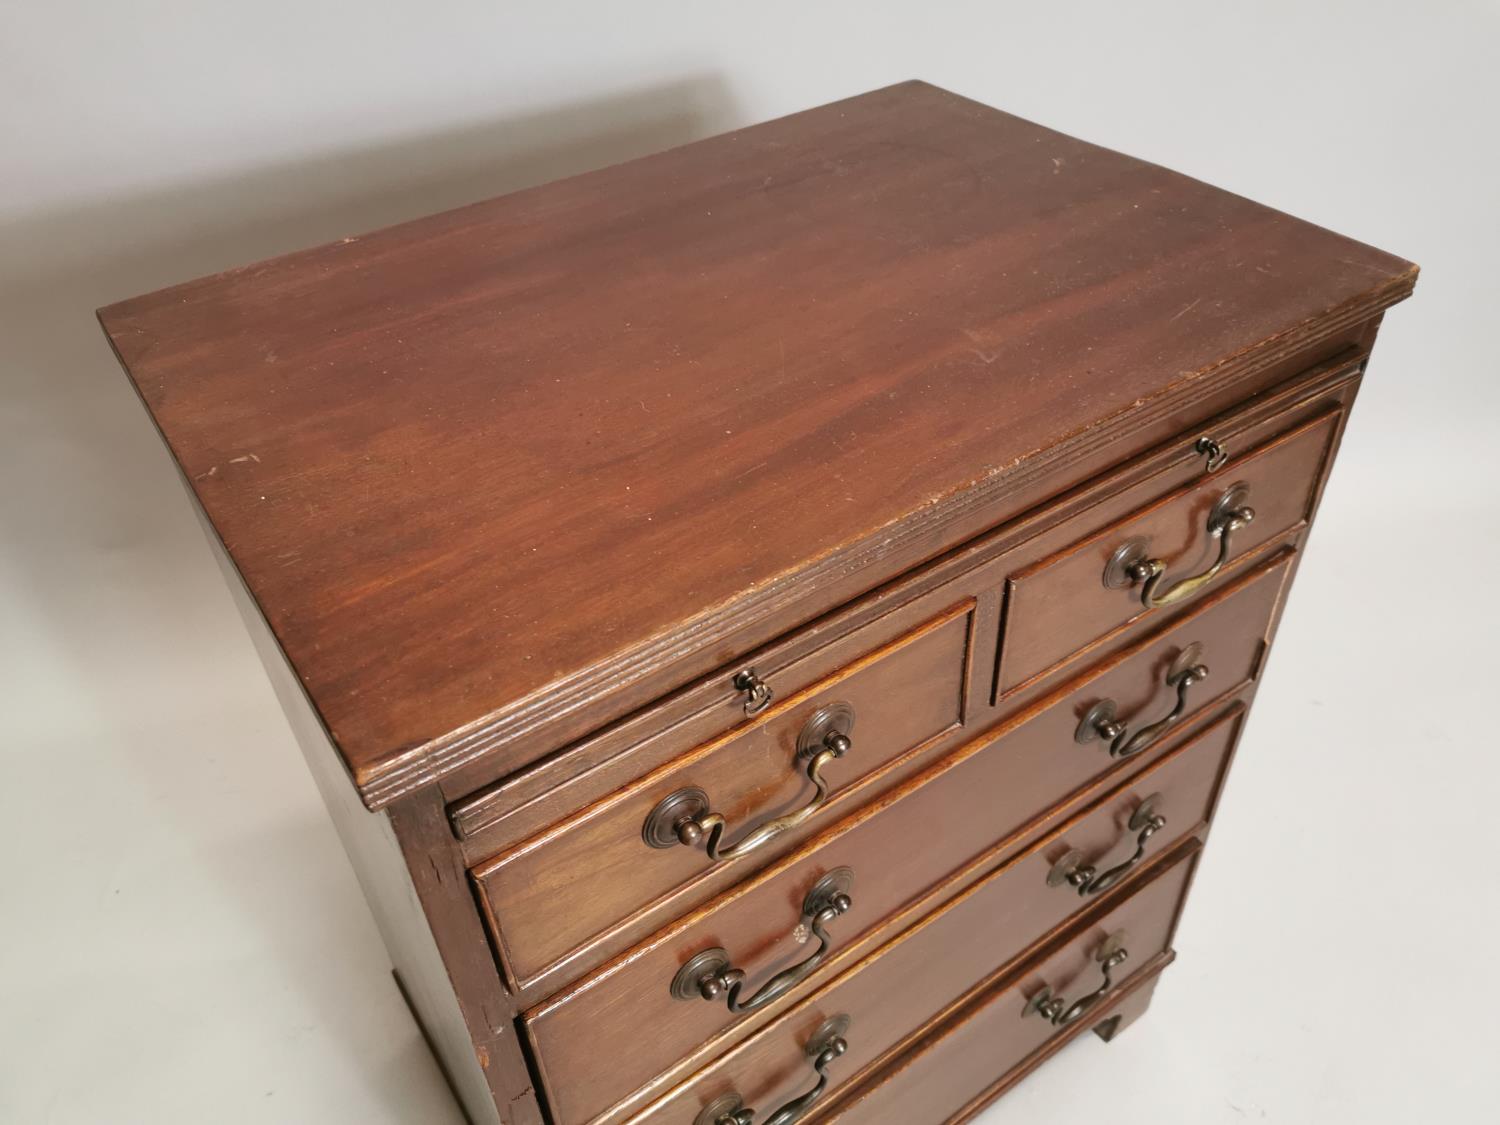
(965, 1064)
(857, 1020)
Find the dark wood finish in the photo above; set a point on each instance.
(899, 852)
(601, 867)
(864, 399)
(703, 374)
(526, 803)
(520, 801)
(587, 873)
(921, 978)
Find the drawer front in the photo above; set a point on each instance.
(921, 976)
(894, 856)
(553, 893)
(1061, 605)
(966, 1062)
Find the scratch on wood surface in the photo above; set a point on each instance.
(1187, 309)
(985, 357)
(1367, 266)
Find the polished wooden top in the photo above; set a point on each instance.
(492, 464)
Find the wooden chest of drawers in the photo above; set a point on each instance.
(772, 620)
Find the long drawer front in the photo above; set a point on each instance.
(862, 1018)
(715, 973)
(953, 1070)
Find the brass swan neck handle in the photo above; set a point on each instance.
(711, 975)
(1086, 878)
(1101, 722)
(1132, 565)
(1057, 1011)
(686, 817)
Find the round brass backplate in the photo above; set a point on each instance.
(1144, 812)
(709, 963)
(1235, 497)
(718, 1109)
(1127, 555)
(1115, 943)
(839, 881)
(829, 719)
(1064, 867)
(660, 829)
(1184, 661)
(835, 1027)
(1096, 716)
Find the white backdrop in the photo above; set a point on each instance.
(171, 891)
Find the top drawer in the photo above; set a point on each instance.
(1161, 554)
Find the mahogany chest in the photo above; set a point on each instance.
(772, 620)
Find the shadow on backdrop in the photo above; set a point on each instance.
(97, 544)
(68, 419)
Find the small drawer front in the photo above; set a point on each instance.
(1171, 551)
(918, 977)
(891, 858)
(553, 893)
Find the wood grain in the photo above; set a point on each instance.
(1061, 604)
(492, 817)
(572, 447)
(897, 855)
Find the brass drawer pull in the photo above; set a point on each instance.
(1057, 1011)
(758, 693)
(685, 817)
(1100, 721)
(1072, 871)
(826, 1044)
(711, 974)
(1131, 564)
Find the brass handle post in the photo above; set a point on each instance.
(1057, 1011)
(711, 975)
(826, 1044)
